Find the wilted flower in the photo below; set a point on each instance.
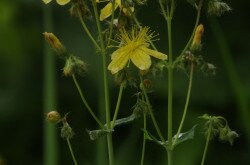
(134, 47)
(217, 7)
(60, 2)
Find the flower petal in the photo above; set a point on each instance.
(119, 62)
(141, 59)
(154, 53)
(62, 2)
(47, 1)
(107, 11)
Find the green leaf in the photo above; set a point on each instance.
(95, 134)
(185, 136)
(150, 137)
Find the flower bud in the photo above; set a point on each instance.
(196, 44)
(55, 43)
(53, 117)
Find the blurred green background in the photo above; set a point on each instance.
(22, 98)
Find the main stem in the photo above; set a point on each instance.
(105, 82)
(170, 91)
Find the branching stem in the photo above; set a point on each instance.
(187, 102)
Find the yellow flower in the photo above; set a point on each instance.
(135, 48)
(60, 2)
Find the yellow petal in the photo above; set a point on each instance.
(118, 2)
(62, 2)
(154, 53)
(47, 1)
(107, 11)
(119, 62)
(141, 59)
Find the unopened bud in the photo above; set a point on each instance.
(53, 117)
(55, 43)
(196, 44)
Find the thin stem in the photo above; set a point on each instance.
(187, 102)
(195, 26)
(207, 142)
(85, 102)
(112, 22)
(170, 84)
(163, 10)
(144, 139)
(117, 105)
(151, 113)
(71, 152)
(105, 82)
(138, 25)
(87, 31)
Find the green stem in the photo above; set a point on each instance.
(85, 102)
(170, 96)
(117, 105)
(49, 94)
(151, 112)
(87, 31)
(138, 25)
(112, 22)
(105, 81)
(71, 152)
(163, 10)
(170, 85)
(187, 102)
(144, 139)
(207, 142)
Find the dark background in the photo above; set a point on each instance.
(226, 44)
